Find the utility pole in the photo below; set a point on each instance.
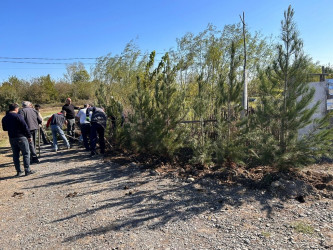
(245, 108)
(322, 76)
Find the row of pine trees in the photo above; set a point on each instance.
(190, 99)
(219, 132)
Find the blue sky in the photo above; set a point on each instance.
(82, 28)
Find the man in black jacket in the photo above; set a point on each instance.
(70, 117)
(98, 125)
(33, 120)
(19, 138)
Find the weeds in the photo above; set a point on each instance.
(303, 227)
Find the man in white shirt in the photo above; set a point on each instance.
(84, 125)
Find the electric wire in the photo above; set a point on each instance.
(64, 59)
(28, 62)
(49, 59)
(13, 60)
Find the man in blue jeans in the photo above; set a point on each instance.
(57, 121)
(19, 138)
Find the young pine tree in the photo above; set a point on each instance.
(157, 108)
(285, 97)
(228, 146)
(201, 142)
(112, 108)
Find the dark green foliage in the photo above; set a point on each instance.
(201, 140)
(157, 108)
(200, 82)
(285, 97)
(112, 107)
(229, 146)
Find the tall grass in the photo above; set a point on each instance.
(46, 112)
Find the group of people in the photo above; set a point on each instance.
(92, 122)
(23, 123)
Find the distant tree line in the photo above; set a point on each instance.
(191, 99)
(44, 89)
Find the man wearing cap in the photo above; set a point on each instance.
(70, 117)
(19, 138)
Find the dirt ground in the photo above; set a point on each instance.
(128, 201)
(318, 176)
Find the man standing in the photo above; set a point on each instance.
(84, 125)
(33, 120)
(98, 125)
(57, 121)
(19, 138)
(70, 117)
(41, 130)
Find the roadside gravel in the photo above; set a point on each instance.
(74, 202)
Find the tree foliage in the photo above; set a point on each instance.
(285, 97)
(157, 109)
(191, 97)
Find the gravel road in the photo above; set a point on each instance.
(74, 202)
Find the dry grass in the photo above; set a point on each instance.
(5, 151)
(303, 227)
(3, 135)
(46, 112)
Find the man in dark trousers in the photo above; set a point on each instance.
(84, 125)
(19, 138)
(57, 121)
(70, 117)
(98, 125)
(33, 120)
(41, 130)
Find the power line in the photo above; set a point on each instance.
(27, 68)
(50, 59)
(67, 58)
(8, 59)
(38, 62)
